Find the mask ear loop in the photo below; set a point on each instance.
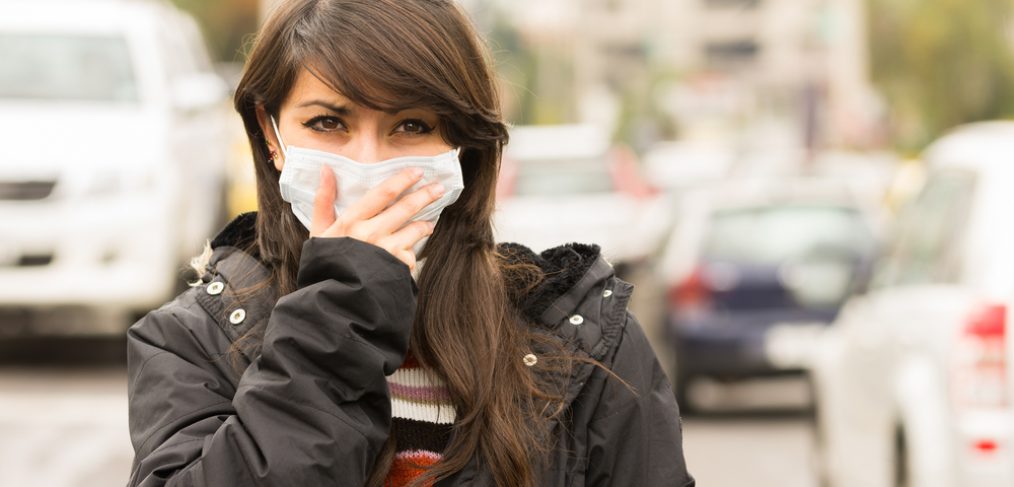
(278, 136)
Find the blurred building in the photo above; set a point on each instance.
(711, 63)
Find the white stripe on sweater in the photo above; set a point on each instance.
(443, 413)
(415, 377)
(430, 413)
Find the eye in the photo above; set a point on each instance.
(415, 127)
(324, 123)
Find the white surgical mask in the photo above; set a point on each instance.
(301, 176)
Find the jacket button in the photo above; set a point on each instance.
(531, 359)
(215, 288)
(607, 293)
(576, 320)
(237, 316)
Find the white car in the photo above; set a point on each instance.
(114, 143)
(566, 183)
(913, 381)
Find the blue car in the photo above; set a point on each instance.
(744, 261)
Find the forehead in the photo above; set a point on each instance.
(308, 88)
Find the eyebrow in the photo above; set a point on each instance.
(346, 110)
(339, 109)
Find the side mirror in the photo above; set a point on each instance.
(198, 91)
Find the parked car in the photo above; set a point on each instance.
(567, 183)
(753, 263)
(913, 380)
(678, 165)
(112, 124)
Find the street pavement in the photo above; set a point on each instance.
(63, 427)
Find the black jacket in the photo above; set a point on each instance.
(312, 409)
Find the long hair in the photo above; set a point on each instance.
(387, 54)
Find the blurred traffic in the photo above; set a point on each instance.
(810, 197)
(116, 142)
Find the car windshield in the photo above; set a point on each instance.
(776, 234)
(559, 177)
(64, 67)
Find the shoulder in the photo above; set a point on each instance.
(585, 304)
(579, 298)
(203, 322)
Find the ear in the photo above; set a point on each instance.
(264, 120)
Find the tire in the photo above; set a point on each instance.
(681, 388)
(902, 475)
(820, 460)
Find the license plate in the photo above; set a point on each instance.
(791, 346)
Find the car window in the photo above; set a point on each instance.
(182, 49)
(778, 233)
(557, 177)
(929, 233)
(66, 67)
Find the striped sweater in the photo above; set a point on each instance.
(422, 417)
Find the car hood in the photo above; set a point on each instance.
(625, 228)
(42, 139)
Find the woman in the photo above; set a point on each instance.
(339, 337)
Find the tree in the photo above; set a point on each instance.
(941, 63)
(226, 24)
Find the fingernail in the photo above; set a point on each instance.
(437, 189)
(417, 172)
(323, 171)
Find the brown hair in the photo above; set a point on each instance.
(387, 54)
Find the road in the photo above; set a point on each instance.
(754, 450)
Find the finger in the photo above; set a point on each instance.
(323, 202)
(401, 212)
(407, 257)
(407, 237)
(381, 196)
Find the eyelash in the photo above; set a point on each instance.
(424, 128)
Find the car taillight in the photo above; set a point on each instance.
(693, 293)
(980, 368)
(626, 175)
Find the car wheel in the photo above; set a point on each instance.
(902, 474)
(681, 388)
(820, 460)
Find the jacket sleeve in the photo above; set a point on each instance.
(311, 409)
(636, 438)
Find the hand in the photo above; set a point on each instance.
(374, 219)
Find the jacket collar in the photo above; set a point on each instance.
(570, 270)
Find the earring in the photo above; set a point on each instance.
(272, 155)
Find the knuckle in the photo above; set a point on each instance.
(388, 192)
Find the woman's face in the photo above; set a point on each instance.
(314, 116)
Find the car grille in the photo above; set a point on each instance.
(26, 190)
